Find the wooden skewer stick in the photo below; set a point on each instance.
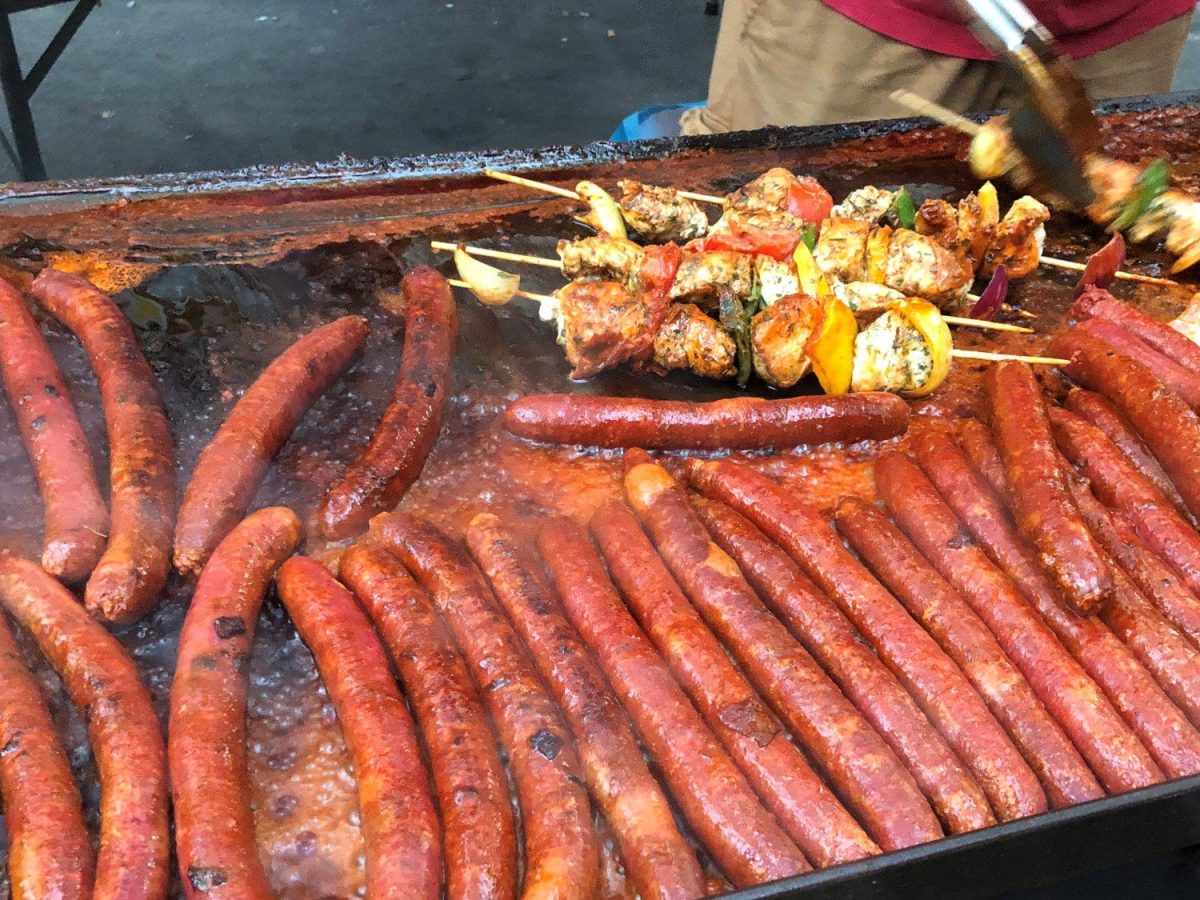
(994, 357)
(447, 247)
(935, 111)
(703, 198)
(986, 324)
(528, 295)
(1072, 266)
(530, 183)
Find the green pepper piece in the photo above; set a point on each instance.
(903, 210)
(735, 318)
(1150, 184)
(809, 235)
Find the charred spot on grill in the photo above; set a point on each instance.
(38, 424)
(206, 662)
(430, 388)
(205, 878)
(498, 683)
(960, 540)
(50, 390)
(229, 626)
(546, 743)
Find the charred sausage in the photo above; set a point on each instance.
(126, 582)
(989, 581)
(1037, 489)
(658, 858)
(1100, 304)
(478, 830)
(1184, 382)
(727, 818)
(967, 640)
(49, 851)
(740, 423)
(562, 854)
(234, 462)
(76, 517)
(134, 855)
(399, 824)
(1165, 422)
(827, 725)
(206, 735)
(393, 459)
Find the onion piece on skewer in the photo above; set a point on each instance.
(492, 286)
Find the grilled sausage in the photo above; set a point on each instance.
(1165, 422)
(1037, 490)
(743, 839)
(1165, 652)
(967, 640)
(561, 850)
(1118, 484)
(478, 829)
(658, 858)
(49, 851)
(1100, 304)
(1093, 408)
(393, 460)
(740, 423)
(126, 582)
(206, 736)
(1184, 382)
(399, 824)
(76, 517)
(233, 464)
(977, 443)
(931, 516)
(820, 718)
(134, 855)
(936, 683)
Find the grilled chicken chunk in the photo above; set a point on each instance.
(1019, 239)
(777, 336)
(841, 249)
(918, 266)
(601, 325)
(866, 204)
(776, 279)
(890, 355)
(768, 191)
(601, 256)
(976, 228)
(659, 214)
(702, 275)
(939, 220)
(864, 296)
(690, 339)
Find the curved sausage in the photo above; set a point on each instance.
(393, 460)
(936, 683)
(206, 736)
(134, 857)
(853, 757)
(1184, 382)
(977, 443)
(76, 517)
(233, 464)
(727, 818)
(561, 849)
(657, 856)
(1119, 485)
(1165, 422)
(823, 722)
(1093, 408)
(479, 834)
(931, 517)
(399, 823)
(49, 850)
(967, 640)
(126, 582)
(1099, 303)
(739, 423)
(1037, 489)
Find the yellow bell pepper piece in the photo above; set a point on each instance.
(927, 319)
(990, 204)
(812, 279)
(877, 251)
(605, 214)
(830, 347)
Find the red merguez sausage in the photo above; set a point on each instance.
(479, 837)
(234, 462)
(1182, 381)
(855, 760)
(967, 640)
(740, 423)
(49, 851)
(562, 854)
(727, 818)
(1107, 742)
(1165, 422)
(937, 684)
(1037, 488)
(977, 443)
(1165, 652)
(206, 736)
(868, 682)
(76, 517)
(1099, 303)
(134, 856)
(658, 857)
(1093, 408)
(1119, 485)
(399, 823)
(823, 722)
(126, 582)
(393, 460)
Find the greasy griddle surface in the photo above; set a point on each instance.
(209, 328)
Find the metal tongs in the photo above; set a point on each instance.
(1052, 123)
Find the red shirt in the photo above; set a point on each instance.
(1083, 27)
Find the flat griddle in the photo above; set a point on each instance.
(250, 260)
